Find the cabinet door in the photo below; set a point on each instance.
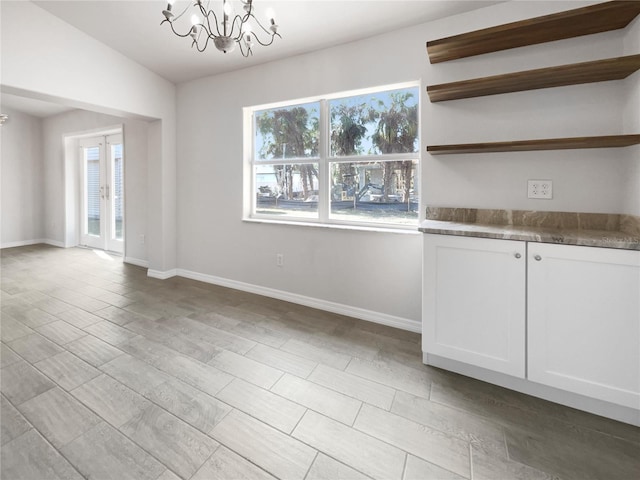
(584, 321)
(474, 301)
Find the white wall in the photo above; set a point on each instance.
(59, 63)
(381, 272)
(22, 201)
(632, 120)
(59, 212)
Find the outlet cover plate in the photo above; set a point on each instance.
(540, 189)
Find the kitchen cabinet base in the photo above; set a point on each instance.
(569, 399)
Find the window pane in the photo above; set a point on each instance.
(380, 192)
(287, 190)
(92, 189)
(377, 123)
(118, 191)
(287, 132)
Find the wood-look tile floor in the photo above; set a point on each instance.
(109, 374)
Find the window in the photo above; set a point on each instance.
(338, 160)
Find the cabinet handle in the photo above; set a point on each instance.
(517, 255)
(537, 258)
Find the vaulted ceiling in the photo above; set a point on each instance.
(133, 28)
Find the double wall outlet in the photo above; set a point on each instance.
(280, 259)
(540, 189)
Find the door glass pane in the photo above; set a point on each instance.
(92, 180)
(117, 192)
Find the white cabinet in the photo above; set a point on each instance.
(559, 316)
(584, 321)
(474, 301)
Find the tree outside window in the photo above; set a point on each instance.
(364, 168)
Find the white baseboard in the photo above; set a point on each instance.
(137, 262)
(24, 243)
(348, 310)
(162, 275)
(54, 243)
(21, 243)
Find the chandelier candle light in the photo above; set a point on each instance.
(232, 29)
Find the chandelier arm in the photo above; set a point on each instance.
(215, 18)
(268, 32)
(183, 12)
(248, 52)
(274, 35)
(206, 42)
(242, 20)
(176, 32)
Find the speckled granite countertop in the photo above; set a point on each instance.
(568, 228)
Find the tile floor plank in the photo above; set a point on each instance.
(198, 409)
(429, 444)
(12, 423)
(317, 354)
(364, 453)
(7, 356)
(267, 407)
(34, 348)
(58, 416)
(419, 469)
(134, 373)
(394, 375)
(365, 390)
(60, 332)
(67, 370)
(328, 402)
(486, 467)
(78, 318)
(30, 457)
(106, 454)
(217, 337)
(247, 369)
(21, 382)
(178, 445)
(13, 329)
(326, 468)
(93, 350)
(225, 464)
(113, 401)
(281, 360)
(483, 434)
(270, 449)
(110, 332)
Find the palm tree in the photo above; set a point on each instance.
(290, 133)
(396, 132)
(348, 130)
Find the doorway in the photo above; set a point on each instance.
(102, 192)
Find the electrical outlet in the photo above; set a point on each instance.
(141, 238)
(540, 189)
(279, 260)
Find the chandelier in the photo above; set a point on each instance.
(227, 30)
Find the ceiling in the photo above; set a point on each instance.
(31, 106)
(133, 28)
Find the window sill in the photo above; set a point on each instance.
(413, 230)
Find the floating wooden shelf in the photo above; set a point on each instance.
(608, 141)
(577, 73)
(573, 23)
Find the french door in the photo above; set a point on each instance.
(102, 206)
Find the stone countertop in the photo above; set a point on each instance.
(592, 230)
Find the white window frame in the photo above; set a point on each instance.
(323, 160)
